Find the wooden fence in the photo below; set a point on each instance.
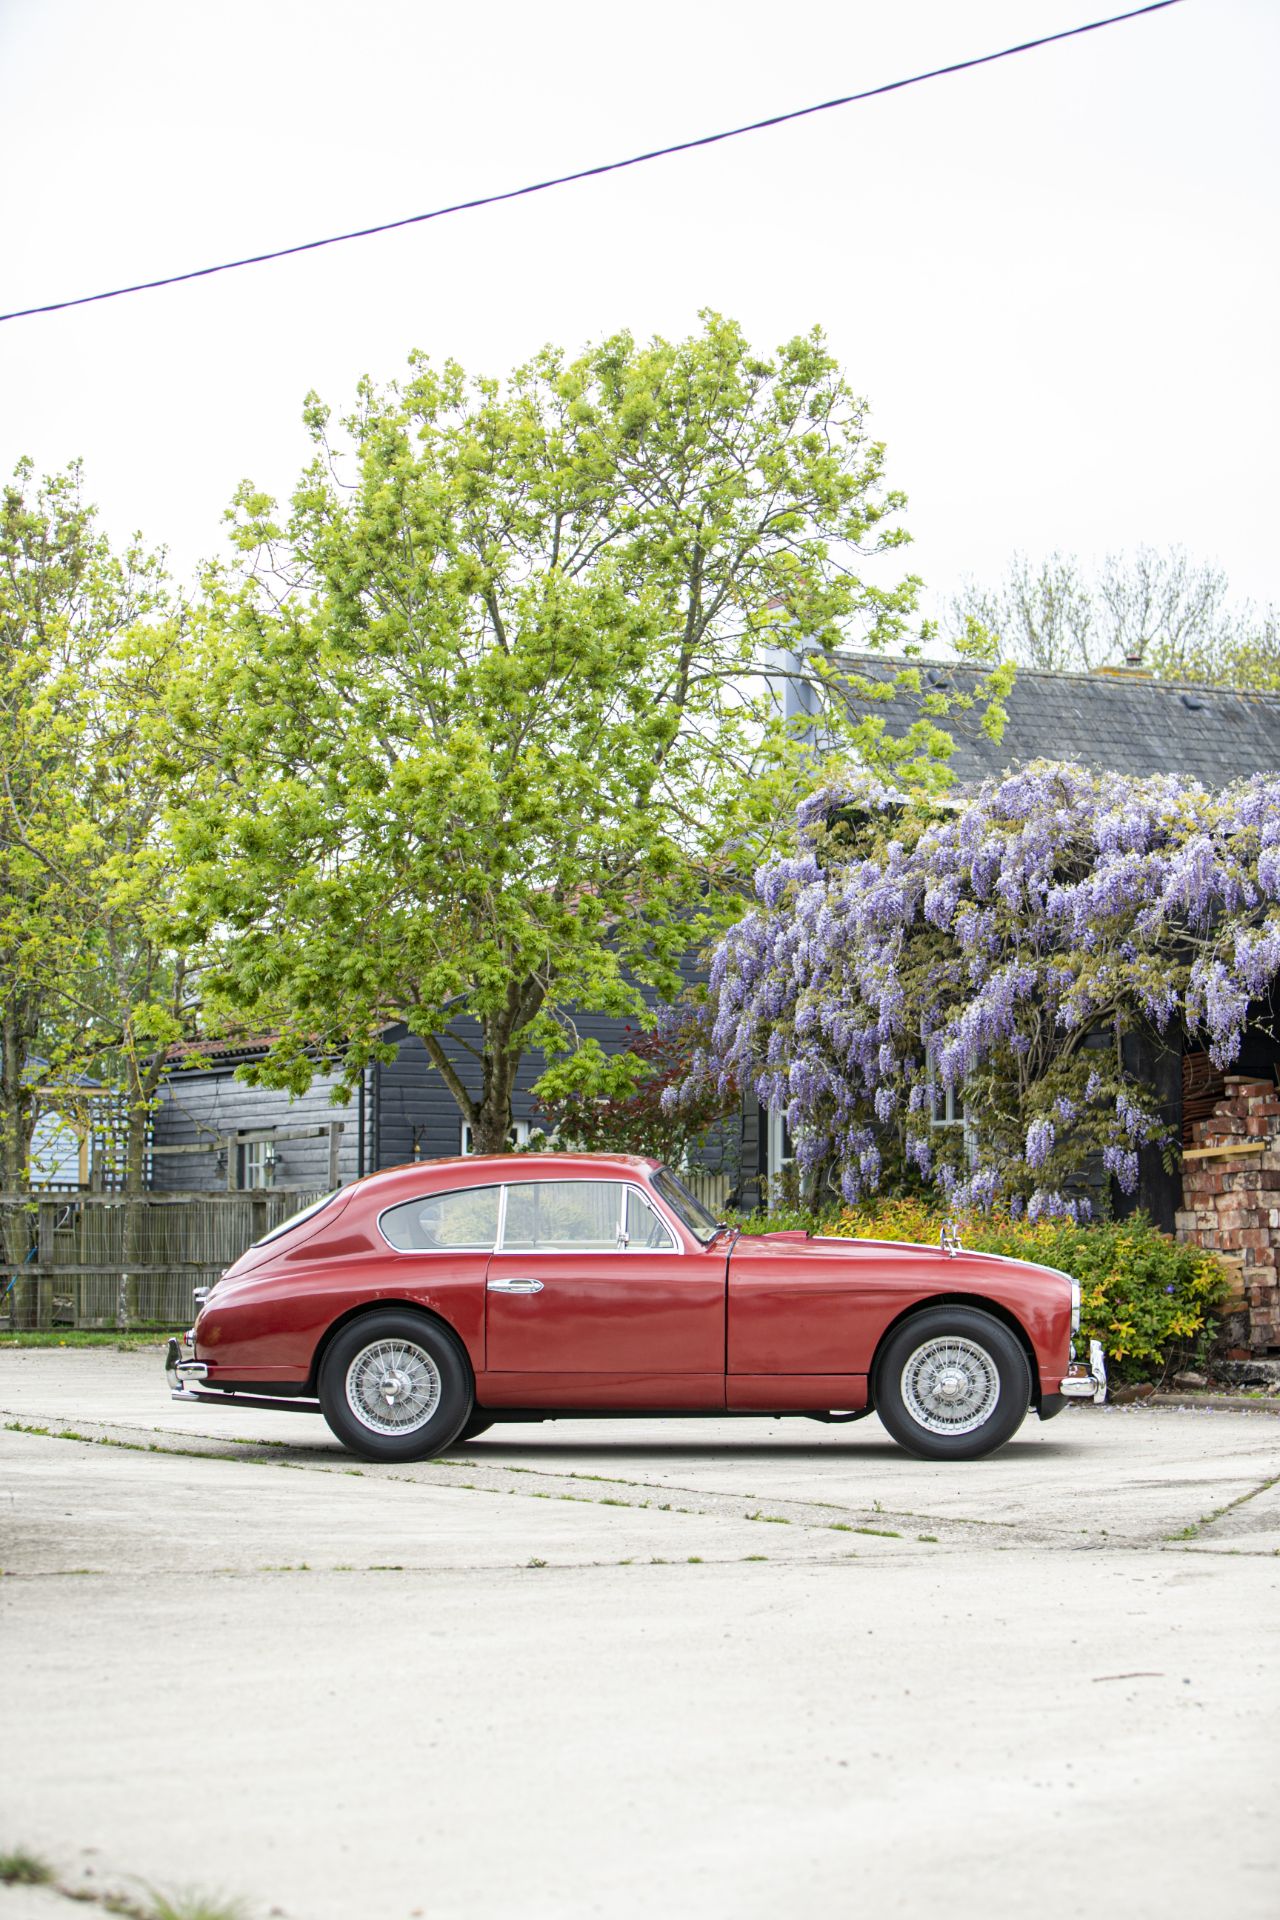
(100, 1260)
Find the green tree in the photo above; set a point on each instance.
(139, 991)
(492, 717)
(67, 605)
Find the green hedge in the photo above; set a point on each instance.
(1151, 1301)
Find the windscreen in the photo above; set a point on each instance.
(682, 1203)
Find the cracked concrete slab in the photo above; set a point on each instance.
(633, 1668)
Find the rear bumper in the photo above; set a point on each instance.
(1086, 1381)
(186, 1376)
(181, 1365)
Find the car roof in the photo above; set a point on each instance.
(480, 1170)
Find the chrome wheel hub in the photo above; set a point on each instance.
(393, 1387)
(950, 1385)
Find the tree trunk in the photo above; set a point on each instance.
(488, 1113)
(17, 1101)
(128, 1300)
(491, 1127)
(20, 1288)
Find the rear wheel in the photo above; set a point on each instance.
(395, 1386)
(952, 1383)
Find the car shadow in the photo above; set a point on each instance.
(493, 1446)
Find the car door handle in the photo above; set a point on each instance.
(515, 1286)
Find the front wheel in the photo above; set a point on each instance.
(478, 1423)
(395, 1386)
(952, 1383)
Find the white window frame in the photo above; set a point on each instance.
(256, 1157)
(776, 1151)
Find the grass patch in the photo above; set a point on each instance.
(194, 1906)
(882, 1533)
(127, 1342)
(154, 1446)
(1241, 1500)
(18, 1868)
(928, 1539)
(770, 1519)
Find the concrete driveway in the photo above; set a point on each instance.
(712, 1668)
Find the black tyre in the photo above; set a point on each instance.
(478, 1423)
(395, 1385)
(952, 1383)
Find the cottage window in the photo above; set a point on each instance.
(257, 1163)
(949, 1109)
(781, 1153)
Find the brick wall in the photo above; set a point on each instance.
(1231, 1203)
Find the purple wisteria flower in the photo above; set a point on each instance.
(899, 968)
(1124, 1165)
(1039, 1142)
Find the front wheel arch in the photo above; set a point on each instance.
(981, 1304)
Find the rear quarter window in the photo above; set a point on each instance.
(462, 1222)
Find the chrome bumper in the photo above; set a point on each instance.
(179, 1368)
(185, 1373)
(1086, 1381)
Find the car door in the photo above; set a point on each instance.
(592, 1299)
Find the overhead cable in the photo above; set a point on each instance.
(590, 173)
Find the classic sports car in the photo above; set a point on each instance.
(420, 1305)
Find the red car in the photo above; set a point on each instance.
(420, 1305)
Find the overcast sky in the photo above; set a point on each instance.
(1056, 279)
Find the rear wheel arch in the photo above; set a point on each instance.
(980, 1304)
(398, 1305)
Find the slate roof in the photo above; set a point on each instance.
(188, 1056)
(1121, 722)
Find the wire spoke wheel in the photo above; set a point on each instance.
(950, 1385)
(393, 1387)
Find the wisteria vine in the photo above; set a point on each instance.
(1000, 953)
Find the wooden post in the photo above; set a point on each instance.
(24, 1294)
(46, 1217)
(229, 1147)
(335, 1141)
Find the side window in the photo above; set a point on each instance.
(644, 1229)
(567, 1216)
(464, 1222)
